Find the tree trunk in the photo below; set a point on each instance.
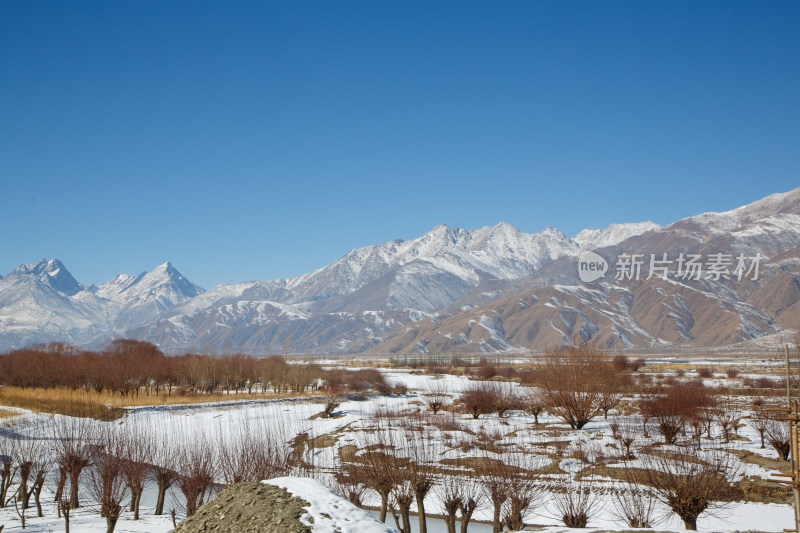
(384, 506)
(497, 525)
(62, 481)
(37, 492)
(111, 523)
(466, 515)
(423, 519)
(162, 491)
(690, 523)
(73, 490)
(405, 512)
(137, 502)
(450, 521)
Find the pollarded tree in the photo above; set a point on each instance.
(437, 396)
(138, 452)
(196, 468)
(73, 446)
(574, 380)
(534, 401)
(108, 484)
(477, 400)
(779, 437)
(690, 482)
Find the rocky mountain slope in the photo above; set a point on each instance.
(484, 290)
(42, 302)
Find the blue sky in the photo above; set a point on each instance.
(256, 140)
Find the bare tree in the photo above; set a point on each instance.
(634, 503)
(524, 490)
(348, 482)
(477, 400)
(574, 503)
(572, 378)
(331, 401)
(30, 455)
(437, 396)
(250, 452)
(196, 468)
(690, 482)
(505, 398)
(534, 401)
(760, 417)
(73, 446)
(494, 478)
(627, 433)
(779, 437)
(471, 498)
(138, 453)
(420, 474)
(380, 464)
(163, 466)
(7, 473)
(107, 481)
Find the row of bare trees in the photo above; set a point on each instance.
(399, 467)
(129, 367)
(113, 463)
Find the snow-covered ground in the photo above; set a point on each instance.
(461, 438)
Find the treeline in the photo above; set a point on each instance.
(130, 367)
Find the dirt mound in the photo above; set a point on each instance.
(249, 507)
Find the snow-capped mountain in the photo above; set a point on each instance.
(43, 302)
(489, 289)
(590, 239)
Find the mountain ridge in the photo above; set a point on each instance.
(374, 297)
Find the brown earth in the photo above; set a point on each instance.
(249, 507)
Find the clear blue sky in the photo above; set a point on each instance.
(256, 140)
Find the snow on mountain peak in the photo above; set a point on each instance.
(50, 272)
(163, 285)
(613, 234)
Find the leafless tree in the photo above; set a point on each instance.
(690, 482)
(634, 503)
(7, 473)
(574, 502)
(107, 481)
(471, 498)
(572, 378)
(73, 446)
(534, 401)
(349, 482)
(251, 452)
(196, 467)
(505, 398)
(477, 400)
(437, 396)
(507, 486)
(524, 490)
(381, 466)
(760, 417)
(163, 466)
(449, 494)
(421, 474)
(331, 401)
(627, 433)
(678, 404)
(779, 437)
(64, 511)
(138, 448)
(31, 459)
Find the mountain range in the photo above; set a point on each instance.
(491, 289)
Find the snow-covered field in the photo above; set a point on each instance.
(355, 423)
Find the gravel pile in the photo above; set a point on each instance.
(249, 508)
